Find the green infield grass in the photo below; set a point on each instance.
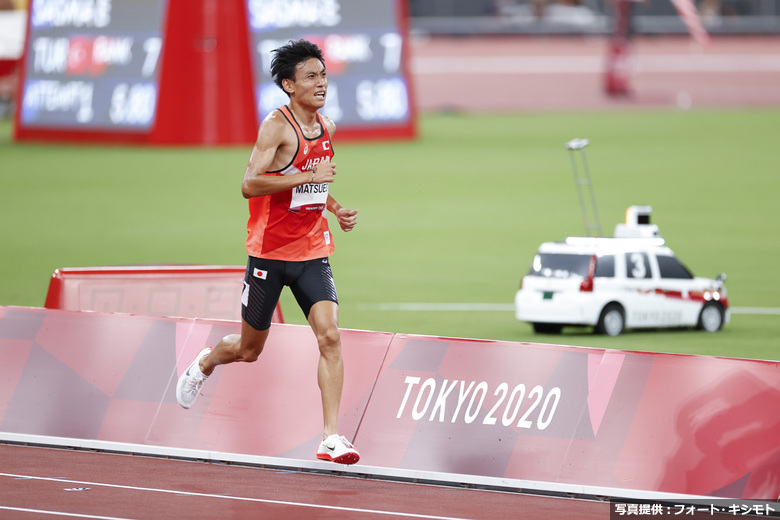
(453, 217)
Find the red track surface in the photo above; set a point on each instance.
(567, 73)
(41, 482)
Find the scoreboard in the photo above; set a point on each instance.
(92, 64)
(363, 46)
(197, 71)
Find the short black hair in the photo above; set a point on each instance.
(287, 58)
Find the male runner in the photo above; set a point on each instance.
(288, 243)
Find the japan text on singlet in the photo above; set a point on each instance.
(292, 225)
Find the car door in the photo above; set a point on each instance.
(675, 283)
(642, 304)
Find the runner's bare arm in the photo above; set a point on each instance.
(272, 137)
(347, 217)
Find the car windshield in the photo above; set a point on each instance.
(671, 267)
(560, 265)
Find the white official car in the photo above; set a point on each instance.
(617, 283)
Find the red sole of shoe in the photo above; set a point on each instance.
(347, 458)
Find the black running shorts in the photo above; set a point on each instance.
(311, 281)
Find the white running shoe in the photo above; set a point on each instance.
(191, 381)
(338, 449)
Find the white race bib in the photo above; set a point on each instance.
(309, 194)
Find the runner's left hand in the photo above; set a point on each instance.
(347, 218)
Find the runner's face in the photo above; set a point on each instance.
(311, 83)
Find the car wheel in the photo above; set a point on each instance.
(711, 317)
(612, 320)
(547, 328)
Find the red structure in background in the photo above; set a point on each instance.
(187, 291)
(206, 82)
(617, 80)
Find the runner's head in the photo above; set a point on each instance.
(291, 57)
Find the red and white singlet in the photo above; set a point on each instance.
(292, 225)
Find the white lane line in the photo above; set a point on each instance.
(493, 307)
(226, 497)
(59, 513)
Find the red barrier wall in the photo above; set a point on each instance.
(113, 378)
(606, 419)
(189, 291)
(572, 415)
